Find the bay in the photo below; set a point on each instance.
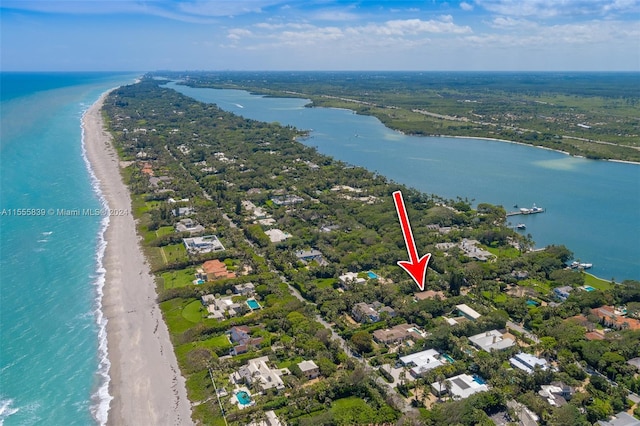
(592, 207)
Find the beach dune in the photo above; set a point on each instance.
(146, 383)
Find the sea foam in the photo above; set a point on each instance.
(101, 399)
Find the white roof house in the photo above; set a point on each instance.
(491, 340)
(527, 362)
(461, 387)
(421, 362)
(257, 371)
(467, 312)
(276, 235)
(205, 244)
(351, 277)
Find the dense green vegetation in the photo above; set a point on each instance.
(589, 114)
(214, 162)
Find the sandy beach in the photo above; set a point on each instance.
(146, 383)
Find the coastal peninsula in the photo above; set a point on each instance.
(146, 384)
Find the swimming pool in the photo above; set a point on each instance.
(200, 282)
(448, 358)
(372, 275)
(589, 288)
(532, 303)
(243, 398)
(253, 304)
(479, 380)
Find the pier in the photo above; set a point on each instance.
(533, 210)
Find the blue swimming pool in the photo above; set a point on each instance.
(372, 275)
(479, 380)
(589, 288)
(243, 398)
(448, 358)
(532, 303)
(253, 304)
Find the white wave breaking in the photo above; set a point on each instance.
(101, 399)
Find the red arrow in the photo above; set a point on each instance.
(416, 267)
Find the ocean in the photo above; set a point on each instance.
(591, 206)
(53, 365)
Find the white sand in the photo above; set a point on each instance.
(146, 383)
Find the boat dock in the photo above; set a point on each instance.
(532, 210)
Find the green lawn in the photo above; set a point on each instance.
(172, 310)
(164, 230)
(179, 278)
(596, 282)
(508, 253)
(194, 311)
(325, 283)
(175, 253)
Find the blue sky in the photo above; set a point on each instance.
(502, 35)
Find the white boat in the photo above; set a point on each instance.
(521, 226)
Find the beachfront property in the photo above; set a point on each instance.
(240, 335)
(460, 387)
(469, 248)
(246, 289)
(421, 362)
(398, 334)
(527, 362)
(257, 372)
(307, 256)
(563, 292)
(190, 226)
(182, 211)
(467, 312)
(349, 278)
(271, 419)
(277, 235)
(491, 340)
(309, 369)
(370, 312)
(212, 270)
(223, 307)
(206, 244)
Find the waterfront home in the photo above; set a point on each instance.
(223, 307)
(398, 334)
(614, 318)
(206, 244)
(257, 372)
(491, 340)
(190, 226)
(241, 336)
(460, 387)
(421, 362)
(309, 369)
(212, 270)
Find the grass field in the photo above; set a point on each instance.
(175, 253)
(596, 282)
(193, 312)
(179, 278)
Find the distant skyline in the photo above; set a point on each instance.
(470, 35)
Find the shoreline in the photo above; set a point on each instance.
(145, 382)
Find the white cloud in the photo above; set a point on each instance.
(466, 6)
(555, 8)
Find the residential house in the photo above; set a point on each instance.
(467, 312)
(365, 312)
(190, 226)
(206, 244)
(491, 340)
(182, 211)
(212, 270)
(241, 336)
(613, 318)
(557, 393)
(271, 419)
(309, 369)
(307, 256)
(276, 235)
(527, 362)
(246, 289)
(287, 200)
(620, 419)
(398, 333)
(221, 308)
(349, 278)
(421, 362)
(563, 292)
(460, 387)
(257, 372)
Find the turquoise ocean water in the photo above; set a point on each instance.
(591, 206)
(52, 342)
